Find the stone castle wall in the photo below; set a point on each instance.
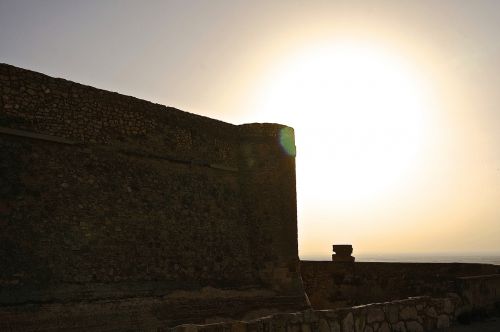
(410, 315)
(333, 284)
(472, 298)
(105, 196)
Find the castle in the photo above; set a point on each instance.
(120, 214)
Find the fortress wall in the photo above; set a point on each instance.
(415, 314)
(107, 196)
(274, 218)
(85, 215)
(477, 298)
(480, 294)
(43, 104)
(334, 284)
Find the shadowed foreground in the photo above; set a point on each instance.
(487, 326)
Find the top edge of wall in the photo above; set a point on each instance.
(266, 129)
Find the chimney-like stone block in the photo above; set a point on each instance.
(342, 253)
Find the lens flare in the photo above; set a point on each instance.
(287, 141)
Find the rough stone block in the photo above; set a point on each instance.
(348, 323)
(385, 327)
(413, 326)
(443, 321)
(431, 312)
(323, 325)
(392, 313)
(334, 326)
(408, 312)
(359, 321)
(374, 315)
(399, 327)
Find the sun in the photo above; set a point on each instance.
(359, 114)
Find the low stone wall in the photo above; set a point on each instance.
(409, 315)
(475, 294)
(334, 284)
(480, 294)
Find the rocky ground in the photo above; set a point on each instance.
(491, 325)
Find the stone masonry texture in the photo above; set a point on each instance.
(333, 285)
(411, 315)
(120, 199)
(117, 214)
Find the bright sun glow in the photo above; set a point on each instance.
(359, 119)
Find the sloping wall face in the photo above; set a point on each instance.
(107, 196)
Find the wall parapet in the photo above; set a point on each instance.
(336, 284)
(409, 315)
(480, 293)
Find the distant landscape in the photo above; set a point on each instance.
(490, 258)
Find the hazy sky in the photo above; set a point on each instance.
(396, 104)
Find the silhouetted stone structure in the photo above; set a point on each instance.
(108, 200)
(333, 285)
(342, 253)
